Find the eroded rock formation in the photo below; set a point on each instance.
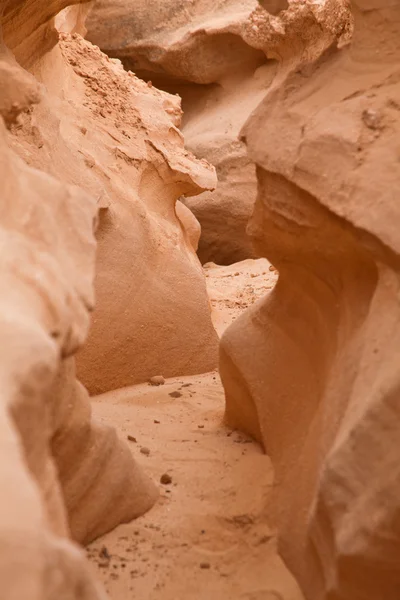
(311, 371)
(61, 471)
(199, 50)
(117, 138)
(322, 390)
(221, 58)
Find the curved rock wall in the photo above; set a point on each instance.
(117, 138)
(46, 275)
(321, 391)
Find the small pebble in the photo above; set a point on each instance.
(372, 118)
(200, 426)
(205, 565)
(157, 380)
(145, 451)
(165, 479)
(131, 438)
(175, 394)
(157, 422)
(272, 268)
(104, 553)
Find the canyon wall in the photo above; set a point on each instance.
(52, 486)
(117, 138)
(84, 148)
(321, 391)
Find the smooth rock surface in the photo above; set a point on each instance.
(322, 389)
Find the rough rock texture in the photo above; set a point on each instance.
(322, 389)
(117, 138)
(200, 43)
(215, 55)
(214, 116)
(60, 470)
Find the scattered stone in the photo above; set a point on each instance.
(165, 479)
(205, 565)
(157, 380)
(200, 426)
(175, 394)
(237, 273)
(156, 421)
(372, 119)
(131, 438)
(145, 451)
(104, 553)
(272, 268)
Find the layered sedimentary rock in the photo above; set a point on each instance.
(322, 389)
(117, 138)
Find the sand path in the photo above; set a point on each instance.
(208, 536)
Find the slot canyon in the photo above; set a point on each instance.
(200, 299)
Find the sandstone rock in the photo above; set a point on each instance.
(45, 297)
(59, 472)
(107, 131)
(189, 223)
(157, 380)
(322, 389)
(215, 55)
(200, 42)
(215, 116)
(28, 27)
(105, 474)
(196, 41)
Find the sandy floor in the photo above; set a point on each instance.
(233, 288)
(207, 538)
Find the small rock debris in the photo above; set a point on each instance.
(131, 438)
(175, 394)
(145, 451)
(104, 553)
(205, 565)
(372, 118)
(165, 479)
(157, 380)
